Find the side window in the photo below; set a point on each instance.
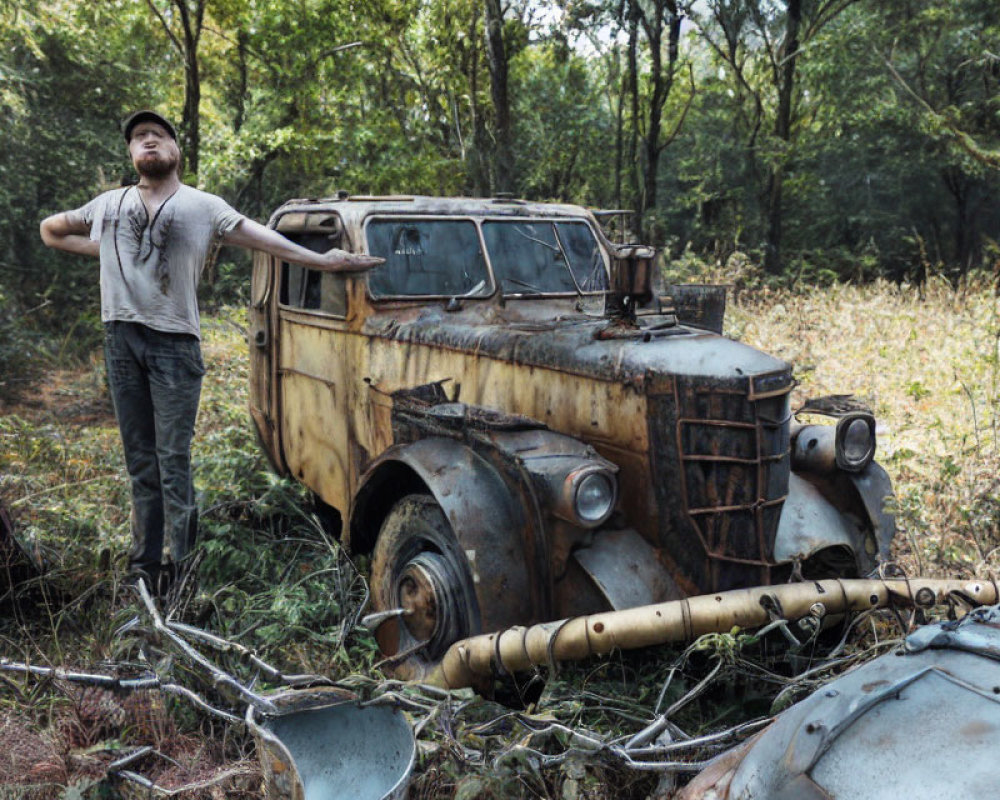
(311, 289)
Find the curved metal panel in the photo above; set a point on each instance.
(484, 514)
(810, 523)
(626, 571)
(875, 487)
(855, 737)
(323, 745)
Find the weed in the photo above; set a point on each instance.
(271, 578)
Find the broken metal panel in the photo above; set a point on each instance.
(854, 737)
(263, 384)
(699, 305)
(626, 570)
(312, 382)
(875, 490)
(323, 745)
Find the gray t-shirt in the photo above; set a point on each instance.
(150, 267)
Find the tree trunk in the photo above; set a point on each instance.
(191, 19)
(479, 167)
(496, 56)
(788, 55)
(241, 88)
(619, 129)
(961, 188)
(192, 114)
(663, 84)
(633, 143)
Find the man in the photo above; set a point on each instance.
(152, 240)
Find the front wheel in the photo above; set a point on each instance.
(418, 567)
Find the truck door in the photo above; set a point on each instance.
(312, 384)
(263, 397)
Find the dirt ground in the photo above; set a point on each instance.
(69, 397)
(58, 738)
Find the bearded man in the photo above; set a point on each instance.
(152, 240)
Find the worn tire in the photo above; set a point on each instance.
(418, 565)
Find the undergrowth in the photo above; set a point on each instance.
(273, 579)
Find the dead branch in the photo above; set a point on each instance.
(154, 788)
(218, 676)
(226, 646)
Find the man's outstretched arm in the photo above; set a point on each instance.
(255, 236)
(66, 231)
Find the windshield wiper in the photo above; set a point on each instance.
(526, 285)
(542, 242)
(474, 290)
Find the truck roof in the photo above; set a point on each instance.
(354, 208)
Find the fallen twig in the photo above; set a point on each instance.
(154, 788)
(226, 646)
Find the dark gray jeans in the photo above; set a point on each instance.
(155, 380)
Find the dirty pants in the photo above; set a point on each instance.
(155, 379)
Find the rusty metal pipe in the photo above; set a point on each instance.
(515, 649)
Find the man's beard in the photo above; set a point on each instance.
(156, 166)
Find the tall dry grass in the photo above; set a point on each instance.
(928, 363)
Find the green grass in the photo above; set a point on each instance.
(273, 580)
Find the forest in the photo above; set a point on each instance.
(836, 163)
(822, 139)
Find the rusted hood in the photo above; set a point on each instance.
(593, 348)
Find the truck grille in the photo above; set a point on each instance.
(728, 443)
(733, 453)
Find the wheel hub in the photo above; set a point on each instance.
(429, 588)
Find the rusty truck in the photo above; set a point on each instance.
(516, 422)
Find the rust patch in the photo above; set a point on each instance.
(977, 729)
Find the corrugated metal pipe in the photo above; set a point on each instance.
(467, 662)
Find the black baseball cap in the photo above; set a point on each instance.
(145, 115)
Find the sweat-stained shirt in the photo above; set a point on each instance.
(150, 268)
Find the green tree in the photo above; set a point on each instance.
(62, 79)
(563, 119)
(762, 45)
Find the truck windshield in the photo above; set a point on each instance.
(536, 256)
(426, 257)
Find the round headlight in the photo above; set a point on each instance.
(595, 496)
(855, 442)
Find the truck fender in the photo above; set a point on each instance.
(625, 570)
(483, 511)
(810, 523)
(875, 487)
